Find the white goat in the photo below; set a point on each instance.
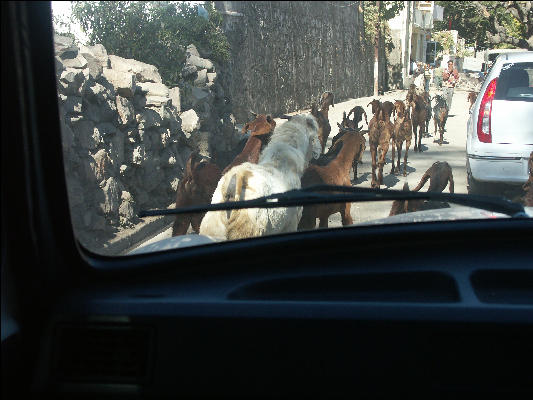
(280, 167)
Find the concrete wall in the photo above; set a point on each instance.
(285, 54)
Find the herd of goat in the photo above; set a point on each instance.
(293, 155)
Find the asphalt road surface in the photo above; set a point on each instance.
(453, 151)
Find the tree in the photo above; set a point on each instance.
(490, 23)
(154, 32)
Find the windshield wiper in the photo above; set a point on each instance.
(313, 195)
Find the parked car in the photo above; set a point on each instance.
(500, 128)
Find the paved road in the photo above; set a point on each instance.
(452, 151)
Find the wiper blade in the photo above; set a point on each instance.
(346, 194)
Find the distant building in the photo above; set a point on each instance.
(410, 31)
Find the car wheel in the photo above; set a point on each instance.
(474, 186)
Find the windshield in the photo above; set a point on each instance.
(171, 105)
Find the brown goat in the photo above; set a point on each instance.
(379, 136)
(402, 132)
(358, 113)
(411, 93)
(471, 98)
(418, 118)
(387, 108)
(325, 101)
(337, 172)
(201, 177)
(441, 115)
(197, 186)
(439, 174)
(427, 101)
(261, 130)
(324, 127)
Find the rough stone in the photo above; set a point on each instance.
(139, 155)
(71, 80)
(199, 62)
(153, 89)
(98, 52)
(73, 105)
(88, 137)
(103, 165)
(188, 71)
(149, 118)
(189, 122)
(174, 95)
(211, 77)
(79, 62)
(64, 47)
(125, 110)
(123, 82)
(201, 78)
(142, 71)
(157, 101)
(112, 191)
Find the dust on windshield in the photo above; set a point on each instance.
(168, 105)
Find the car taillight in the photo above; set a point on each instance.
(485, 110)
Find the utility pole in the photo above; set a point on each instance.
(376, 53)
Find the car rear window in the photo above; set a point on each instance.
(515, 82)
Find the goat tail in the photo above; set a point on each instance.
(422, 182)
(239, 225)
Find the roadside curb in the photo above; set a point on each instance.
(129, 240)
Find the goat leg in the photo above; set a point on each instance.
(393, 155)
(414, 133)
(373, 150)
(400, 145)
(420, 133)
(407, 145)
(346, 216)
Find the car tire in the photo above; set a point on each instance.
(474, 186)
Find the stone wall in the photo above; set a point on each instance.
(127, 137)
(285, 54)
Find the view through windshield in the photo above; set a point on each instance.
(167, 105)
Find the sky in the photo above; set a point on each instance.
(62, 9)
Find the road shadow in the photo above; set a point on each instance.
(390, 180)
(444, 141)
(365, 177)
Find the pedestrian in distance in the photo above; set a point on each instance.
(450, 77)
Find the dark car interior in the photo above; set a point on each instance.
(434, 308)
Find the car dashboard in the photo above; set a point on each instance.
(318, 312)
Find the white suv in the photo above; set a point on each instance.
(500, 128)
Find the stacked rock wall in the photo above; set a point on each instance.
(126, 136)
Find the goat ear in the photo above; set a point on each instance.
(253, 113)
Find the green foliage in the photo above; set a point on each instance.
(445, 39)
(375, 18)
(154, 32)
(473, 19)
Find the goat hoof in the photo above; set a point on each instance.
(404, 173)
